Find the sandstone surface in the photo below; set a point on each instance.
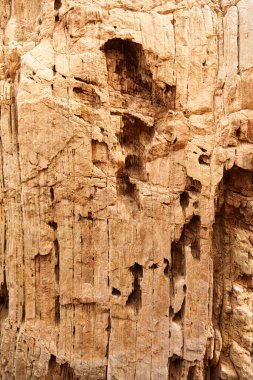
(126, 189)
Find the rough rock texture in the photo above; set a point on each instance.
(126, 187)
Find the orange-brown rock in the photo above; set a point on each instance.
(126, 188)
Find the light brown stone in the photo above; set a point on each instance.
(126, 189)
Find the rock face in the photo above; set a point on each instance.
(126, 184)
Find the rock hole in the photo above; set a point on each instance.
(166, 269)
(57, 18)
(193, 185)
(52, 362)
(57, 5)
(153, 266)
(116, 292)
(52, 194)
(134, 299)
(238, 132)
(90, 215)
(53, 225)
(77, 90)
(196, 204)
(178, 258)
(184, 199)
(204, 159)
(168, 88)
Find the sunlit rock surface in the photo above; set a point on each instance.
(126, 187)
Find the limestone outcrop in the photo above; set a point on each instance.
(126, 188)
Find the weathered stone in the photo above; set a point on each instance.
(126, 189)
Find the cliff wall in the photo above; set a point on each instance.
(126, 189)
